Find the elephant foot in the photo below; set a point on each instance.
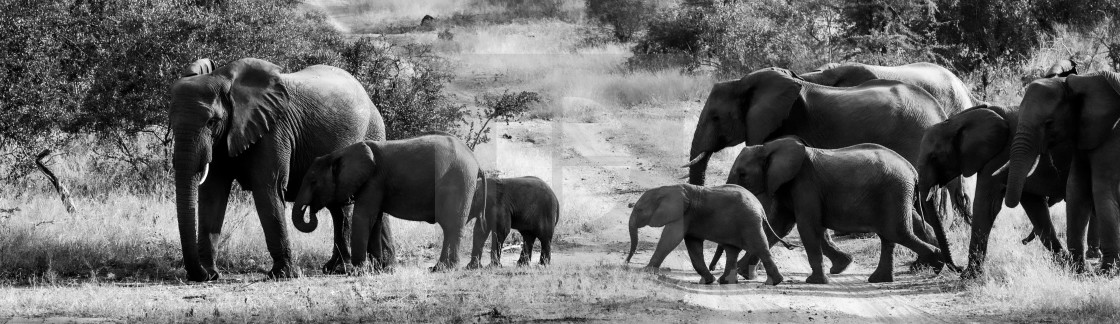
(1093, 253)
(1108, 266)
(750, 272)
(972, 272)
(774, 279)
(213, 273)
(840, 264)
(708, 279)
(281, 272)
(817, 278)
(729, 279)
(473, 265)
(1076, 262)
(881, 276)
(523, 261)
(495, 265)
(930, 262)
(334, 267)
(199, 274)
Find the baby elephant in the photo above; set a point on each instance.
(429, 178)
(728, 215)
(860, 188)
(526, 204)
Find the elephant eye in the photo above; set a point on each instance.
(213, 121)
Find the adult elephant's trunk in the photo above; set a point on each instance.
(1024, 157)
(633, 239)
(186, 162)
(697, 167)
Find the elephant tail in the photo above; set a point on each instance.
(715, 258)
(770, 232)
(480, 214)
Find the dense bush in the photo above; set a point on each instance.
(101, 68)
(624, 17)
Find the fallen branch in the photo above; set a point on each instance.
(54, 180)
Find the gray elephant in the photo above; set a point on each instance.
(526, 204)
(429, 178)
(1077, 113)
(977, 142)
(861, 188)
(951, 93)
(773, 102)
(728, 215)
(248, 122)
(1061, 69)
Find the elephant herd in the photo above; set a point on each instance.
(893, 151)
(314, 138)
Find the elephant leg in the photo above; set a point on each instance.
(695, 248)
(213, 198)
(270, 209)
(496, 246)
(812, 237)
(526, 248)
(1079, 208)
(453, 204)
(885, 271)
(782, 222)
(546, 249)
(480, 237)
(1107, 213)
(730, 272)
(984, 212)
(934, 218)
(1039, 213)
(759, 247)
(671, 237)
(340, 253)
(367, 212)
(901, 233)
(840, 260)
(381, 244)
(1093, 240)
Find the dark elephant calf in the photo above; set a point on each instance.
(526, 204)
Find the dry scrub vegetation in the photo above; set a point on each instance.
(119, 256)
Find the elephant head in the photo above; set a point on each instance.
(960, 146)
(1061, 69)
(763, 169)
(750, 109)
(333, 180)
(223, 110)
(1078, 111)
(663, 206)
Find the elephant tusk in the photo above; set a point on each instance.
(1001, 169)
(205, 172)
(697, 159)
(1035, 166)
(929, 195)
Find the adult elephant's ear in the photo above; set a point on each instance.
(257, 95)
(773, 92)
(784, 158)
(351, 169)
(1099, 112)
(981, 136)
(671, 206)
(202, 66)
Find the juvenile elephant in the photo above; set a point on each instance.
(773, 102)
(727, 214)
(861, 188)
(977, 142)
(1077, 113)
(951, 93)
(247, 121)
(430, 178)
(526, 204)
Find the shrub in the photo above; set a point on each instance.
(99, 70)
(624, 17)
(502, 107)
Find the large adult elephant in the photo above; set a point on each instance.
(1078, 113)
(977, 142)
(247, 121)
(773, 102)
(950, 92)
